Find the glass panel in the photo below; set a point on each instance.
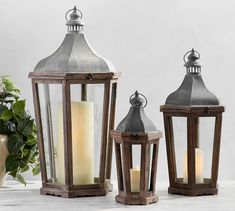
(97, 96)
(180, 140)
(50, 103)
(203, 153)
(206, 138)
(86, 113)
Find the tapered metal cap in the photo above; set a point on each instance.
(192, 90)
(74, 54)
(136, 121)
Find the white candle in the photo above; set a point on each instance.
(135, 179)
(199, 167)
(82, 115)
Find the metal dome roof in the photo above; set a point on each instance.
(74, 54)
(192, 90)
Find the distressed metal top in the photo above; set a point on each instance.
(192, 91)
(136, 120)
(74, 54)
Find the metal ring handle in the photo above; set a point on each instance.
(71, 10)
(146, 101)
(190, 52)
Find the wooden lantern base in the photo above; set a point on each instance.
(76, 191)
(193, 192)
(205, 188)
(134, 200)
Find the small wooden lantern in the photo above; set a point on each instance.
(136, 186)
(74, 92)
(193, 103)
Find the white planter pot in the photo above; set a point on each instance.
(3, 156)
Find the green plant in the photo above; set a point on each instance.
(19, 126)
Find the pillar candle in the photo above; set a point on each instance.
(135, 179)
(199, 168)
(82, 116)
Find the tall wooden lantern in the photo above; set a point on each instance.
(74, 92)
(136, 144)
(192, 118)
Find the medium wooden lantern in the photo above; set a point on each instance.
(136, 140)
(74, 92)
(198, 109)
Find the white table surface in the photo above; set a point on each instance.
(15, 197)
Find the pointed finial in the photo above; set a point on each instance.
(192, 59)
(136, 93)
(137, 100)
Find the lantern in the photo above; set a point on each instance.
(74, 92)
(136, 144)
(192, 119)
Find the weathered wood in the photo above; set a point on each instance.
(193, 113)
(105, 126)
(40, 141)
(144, 173)
(126, 163)
(143, 138)
(194, 192)
(137, 200)
(216, 149)
(154, 168)
(192, 109)
(75, 76)
(111, 127)
(67, 193)
(197, 134)
(170, 147)
(102, 184)
(84, 92)
(191, 145)
(119, 167)
(67, 128)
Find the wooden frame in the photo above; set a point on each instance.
(102, 184)
(123, 148)
(192, 113)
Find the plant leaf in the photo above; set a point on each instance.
(6, 127)
(31, 141)
(20, 179)
(23, 163)
(15, 142)
(2, 108)
(18, 107)
(26, 168)
(6, 115)
(13, 172)
(12, 163)
(25, 127)
(17, 123)
(24, 151)
(9, 86)
(36, 170)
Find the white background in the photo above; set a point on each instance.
(144, 39)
